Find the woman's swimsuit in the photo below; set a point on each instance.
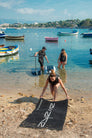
(62, 57)
(53, 82)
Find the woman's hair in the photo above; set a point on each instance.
(52, 74)
(63, 51)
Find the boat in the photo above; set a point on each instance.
(51, 39)
(90, 61)
(89, 34)
(74, 32)
(2, 34)
(90, 50)
(9, 50)
(14, 37)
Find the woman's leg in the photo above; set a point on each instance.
(54, 90)
(59, 64)
(63, 65)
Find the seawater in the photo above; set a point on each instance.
(15, 71)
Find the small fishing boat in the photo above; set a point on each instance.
(2, 34)
(9, 50)
(14, 37)
(51, 39)
(74, 32)
(87, 34)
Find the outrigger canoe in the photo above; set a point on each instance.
(9, 50)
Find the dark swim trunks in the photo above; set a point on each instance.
(41, 55)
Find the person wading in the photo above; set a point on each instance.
(62, 60)
(41, 54)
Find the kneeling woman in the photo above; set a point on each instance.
(54, 82)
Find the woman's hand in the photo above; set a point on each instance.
(41, 96)
(67, 97)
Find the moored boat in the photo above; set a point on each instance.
(14, 37)
(89, 34)
(2, 34)
(90, 61)
(74, 32)
(51, 39)
(9, 50)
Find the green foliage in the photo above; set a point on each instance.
(76, 23)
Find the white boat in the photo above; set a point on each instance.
(2, 34)
(74, 32)
(9, 50)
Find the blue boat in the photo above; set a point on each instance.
(87, 34)
(2, 34)
(73, 33)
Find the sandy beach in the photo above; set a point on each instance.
(14, 108)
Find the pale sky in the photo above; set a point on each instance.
(45, 10)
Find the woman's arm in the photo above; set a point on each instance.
(59, 57)
(62, 85)
(46, 84)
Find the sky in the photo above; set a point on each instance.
(45, 10)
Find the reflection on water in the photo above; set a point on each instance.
(63, 75)
(9, 58)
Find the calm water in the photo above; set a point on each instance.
(15, 71)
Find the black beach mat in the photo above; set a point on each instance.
(47, 114)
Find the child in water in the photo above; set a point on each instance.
(54, 82)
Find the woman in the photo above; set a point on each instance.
(62, 60)
(54, 82)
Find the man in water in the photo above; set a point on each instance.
(41, 54)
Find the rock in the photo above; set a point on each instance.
(82, 100)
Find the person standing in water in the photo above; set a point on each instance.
(41, 54)
(62, 60)
(54, 82)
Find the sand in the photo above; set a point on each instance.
(14, 108)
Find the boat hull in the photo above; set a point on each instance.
(66, 34)
(14, 37)
(9, 50)
(87, 35)
(51, 39)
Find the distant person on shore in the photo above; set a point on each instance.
(62, 60)
(41, 54)
(54, 82)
